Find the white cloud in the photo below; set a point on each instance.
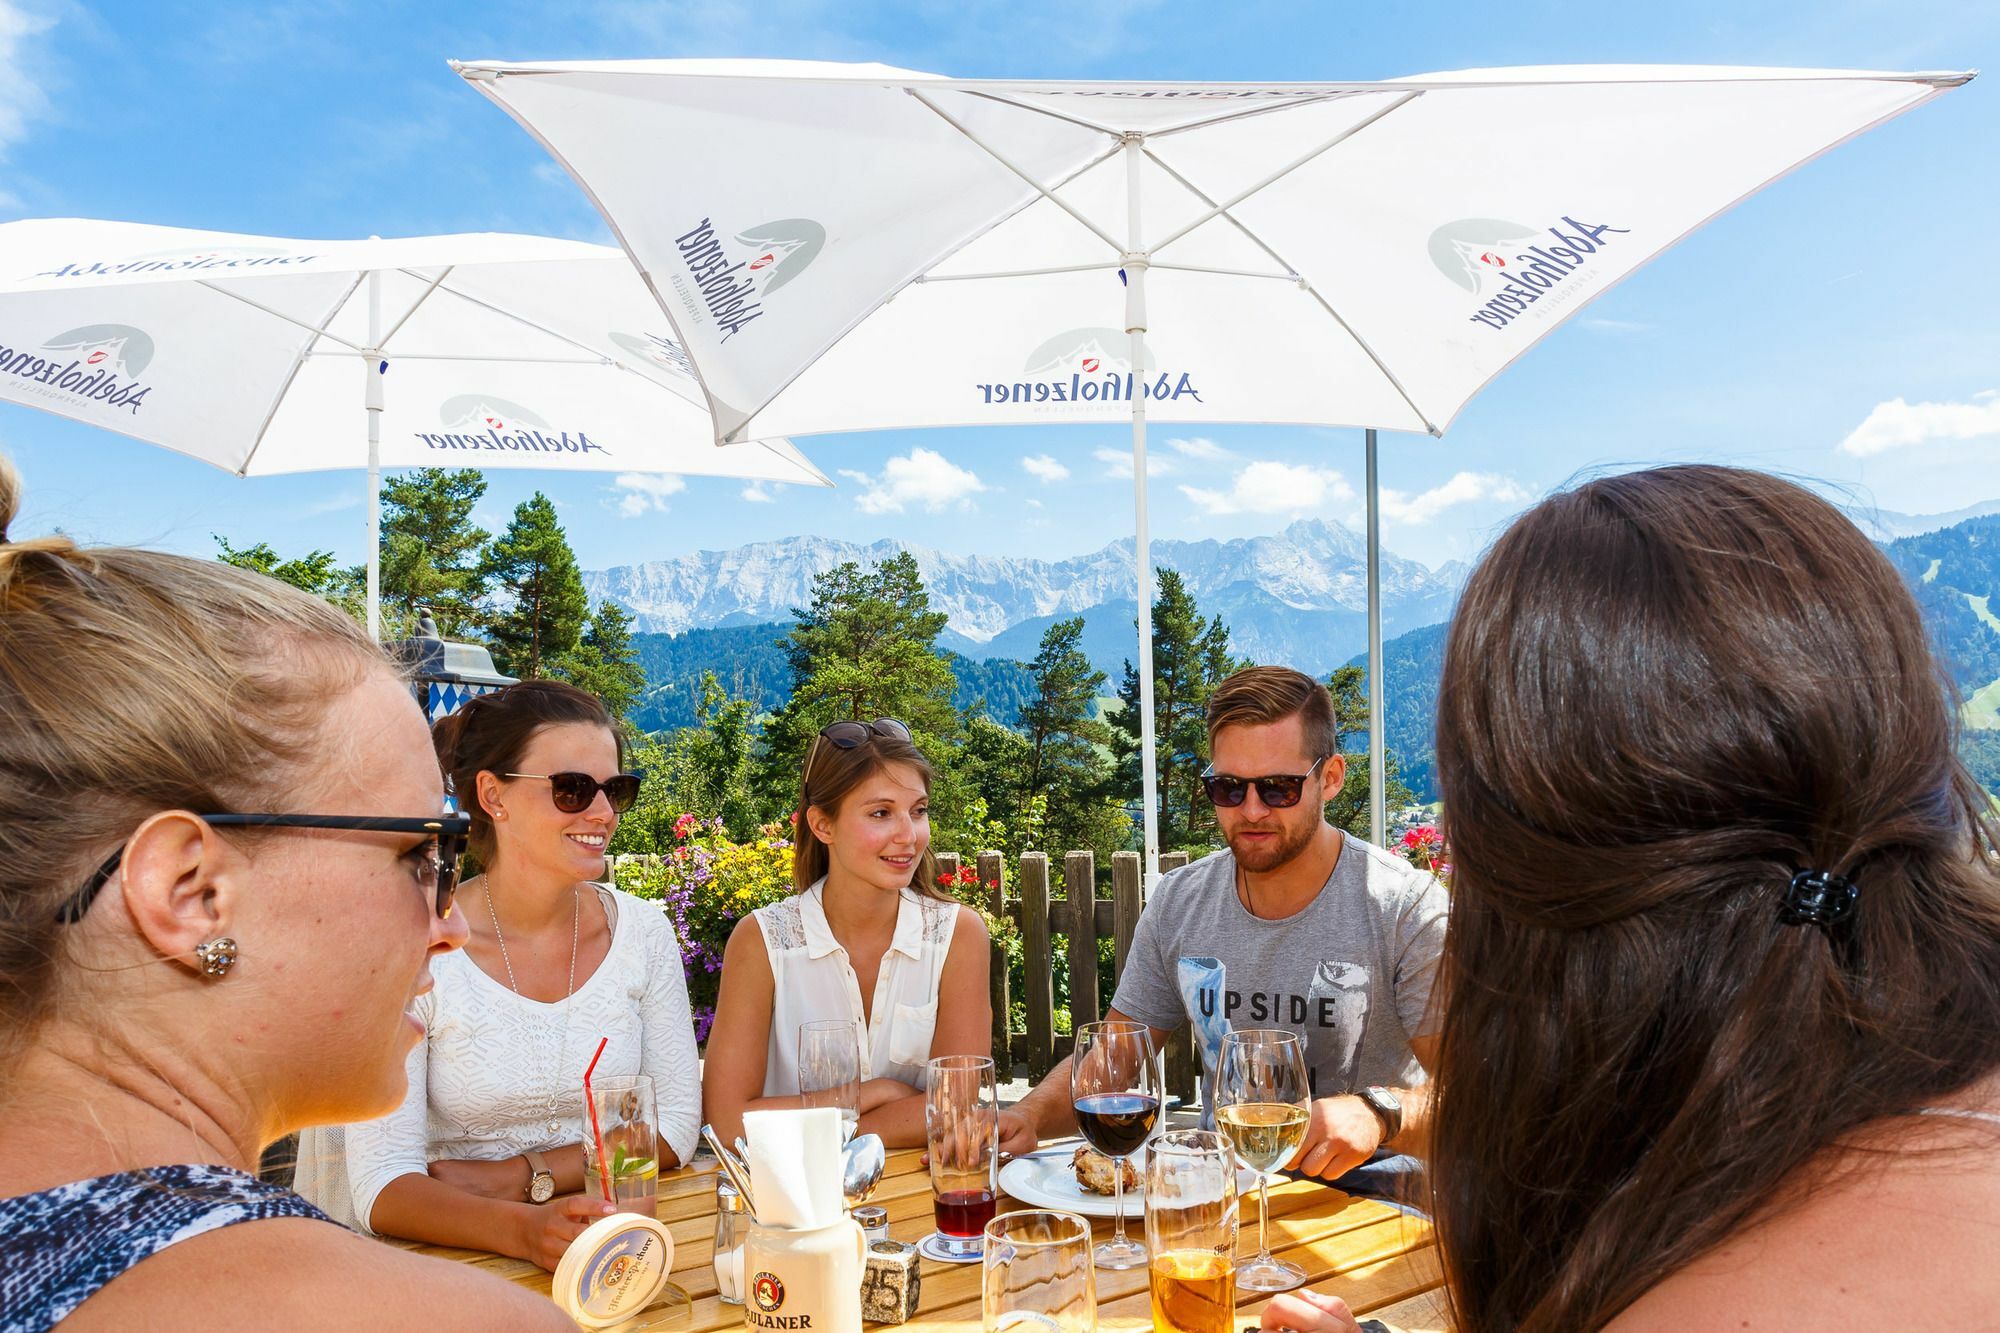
(646, 491)
(1464, 488)
(1118, 463)
(1897, 424)
(1034, 504)
(1274, 488)
(859, 478)
(21, 96)
(756, 494)
(1045, 467)
(921, 476)
(1604, 325)
(1203, 450)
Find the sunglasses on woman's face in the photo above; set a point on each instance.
(1278, 791)
(573, 792)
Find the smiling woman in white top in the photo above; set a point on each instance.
(866, 939)
(490, 1136)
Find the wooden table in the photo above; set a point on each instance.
(1381, 1261)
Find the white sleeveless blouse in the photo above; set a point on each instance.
(812, 979)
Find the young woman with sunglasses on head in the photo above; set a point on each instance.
(487, 1149)
(867, 938)
(225, 877)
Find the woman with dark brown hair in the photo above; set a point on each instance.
(1723, 965)
(867, 940)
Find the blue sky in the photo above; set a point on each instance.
(1844, 326)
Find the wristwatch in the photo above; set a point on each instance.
(1388, 1108)
(541, 1180)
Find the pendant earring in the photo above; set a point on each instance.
(216, 957)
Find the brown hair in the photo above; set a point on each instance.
(491, 732)
(830, 774)
(1664, 694)
(134, 682)
(1260, 695)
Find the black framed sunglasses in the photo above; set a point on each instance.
(848, 735)
(573, 792)
(1279, 791)
(445, 847)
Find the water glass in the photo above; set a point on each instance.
(625, 1122)
(1037, 1271)
(1191, 1231)
(830, 1069)
(962, 1134)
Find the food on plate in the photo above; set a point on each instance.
(1093, 1171)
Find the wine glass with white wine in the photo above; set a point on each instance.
(1263, 1103)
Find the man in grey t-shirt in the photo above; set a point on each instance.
(1295, 926)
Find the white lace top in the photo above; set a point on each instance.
(812, 979)
(482, 1081)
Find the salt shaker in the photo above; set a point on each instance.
(873, 1221)
(731, 1222)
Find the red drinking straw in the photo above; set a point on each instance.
(596, 1134)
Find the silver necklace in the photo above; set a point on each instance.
(562, 1029)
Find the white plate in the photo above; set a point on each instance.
(1050, 1182)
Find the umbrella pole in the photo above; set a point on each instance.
(1378, 796)
(372, 398)
(1135, 324)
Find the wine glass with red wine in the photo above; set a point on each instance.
(962, 1135)
(1115, 1087)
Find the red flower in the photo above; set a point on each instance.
(945, 880)
(967, 875)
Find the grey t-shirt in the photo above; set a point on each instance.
(1351, 972)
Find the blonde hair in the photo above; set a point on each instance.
(134, 682)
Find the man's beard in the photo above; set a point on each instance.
(1261, 857)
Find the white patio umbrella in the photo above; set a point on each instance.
(846, 247)
(262, 354)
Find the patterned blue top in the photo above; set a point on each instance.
(58, 1247)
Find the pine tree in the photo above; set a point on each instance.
(531, 572)
(314, 572)
(865, 648)
(1067, 765)
(1190, 658)
(605, 662)
(1348, 809)
(430, 549)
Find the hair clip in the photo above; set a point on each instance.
(1818, 898)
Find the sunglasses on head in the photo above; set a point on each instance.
(1277, 790)
(442, 851)
(573, 792)
(848, 735)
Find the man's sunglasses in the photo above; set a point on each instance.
(446, 846)
(573, 792)
(1278, 790)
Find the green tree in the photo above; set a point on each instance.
(605, 662)
(1190, 658)
(430, 548)
(1349, 809)
(531, 572)
(716, 758)
(315, 572)
(1067, 773)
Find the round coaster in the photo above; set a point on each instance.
(932, 1247)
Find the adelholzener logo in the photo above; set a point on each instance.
(481, 421)
(662, 352)
(92, 363)
(1089, 365)
(176, 261)
(1486, 255)
(728, 280)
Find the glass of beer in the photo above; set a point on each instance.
(1264, 1101)
(962, 1134)
(1191, 1231)
(1037, 1271)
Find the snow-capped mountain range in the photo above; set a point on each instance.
(1297, 596)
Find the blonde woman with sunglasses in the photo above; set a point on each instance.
(868, 940)
(486, 1151)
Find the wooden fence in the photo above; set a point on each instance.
(1082, 921)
